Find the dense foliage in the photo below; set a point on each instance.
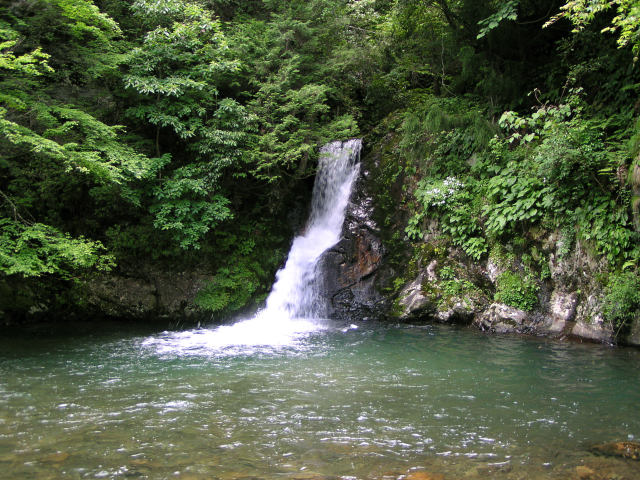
(184, 131)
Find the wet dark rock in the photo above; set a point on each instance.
(147, 294)
(350, 269)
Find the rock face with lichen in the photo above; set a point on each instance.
(501, 318)
(567, 304)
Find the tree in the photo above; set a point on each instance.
(73, 141)
(295, 76)
(626, 20)
(178, 72)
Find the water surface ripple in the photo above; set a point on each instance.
(344, 402)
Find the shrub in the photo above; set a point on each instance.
(450, 201)
(516, 291)
(622, 300)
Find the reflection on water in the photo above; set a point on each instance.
(364, 402)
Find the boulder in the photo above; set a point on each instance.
(597, 331)
(501, 318)
(563, 311)
(461, 312)
(413, 302)
(590, 324)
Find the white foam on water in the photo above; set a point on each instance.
(295, 307)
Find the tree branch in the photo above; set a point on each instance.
(16, 216)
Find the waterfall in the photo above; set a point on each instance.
(295, 294)
(294, 308)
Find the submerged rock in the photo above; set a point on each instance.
(584, 473)
(58, 457)
(629, 450)
(422, 475)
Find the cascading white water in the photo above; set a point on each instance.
(294, 307)
(295, 292)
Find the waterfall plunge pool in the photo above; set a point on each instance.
(378, 401)
(286, 395)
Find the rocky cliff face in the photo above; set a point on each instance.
(440, 283)
(351, 268)
(568, 303)
(366, 276)
(148, 294)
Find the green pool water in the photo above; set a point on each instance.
(377, 401)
